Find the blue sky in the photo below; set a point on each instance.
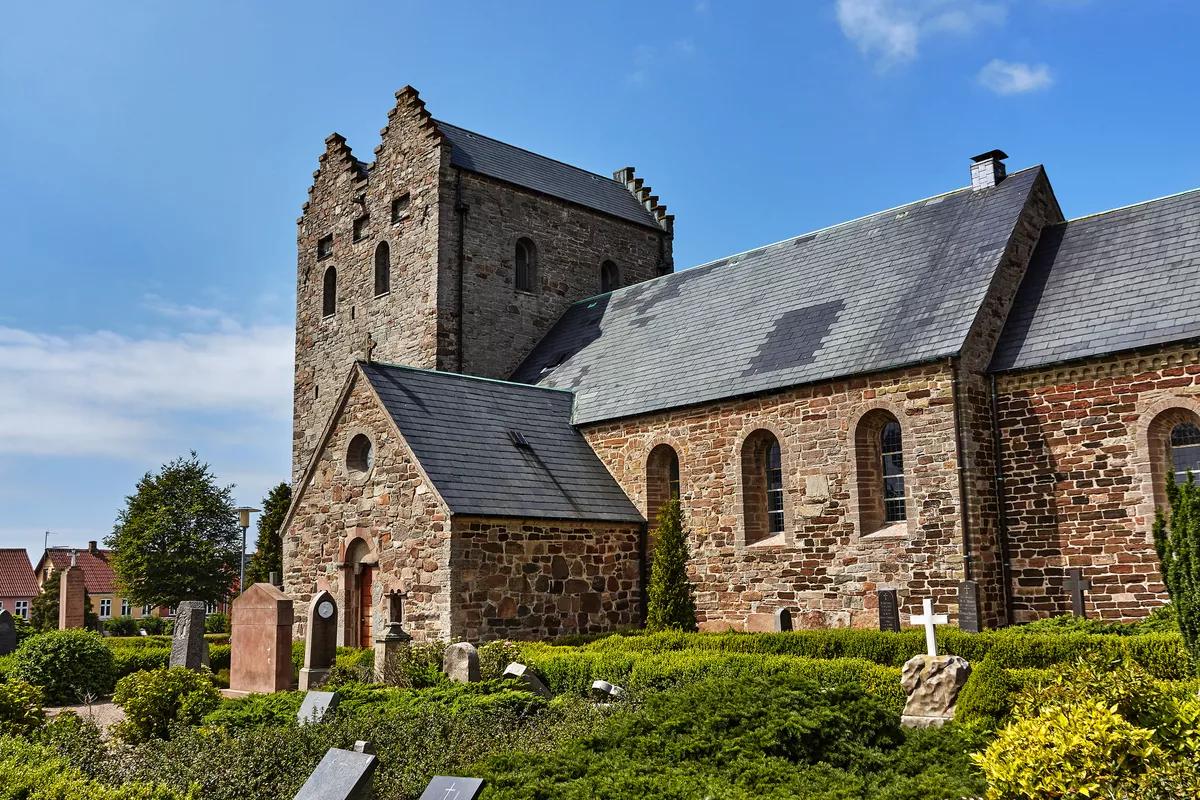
(156, 156)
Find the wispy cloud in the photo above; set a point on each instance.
(892, 30)
(647, 60)
(1003, 77)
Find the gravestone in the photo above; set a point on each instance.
(461, 662)
(341, 775)
(392, 640)
(932, 682)
(929, 620)
(783, 620)
(968, 607)
(532, 682)
(261, 640)
(316, 705)
(889, 611)
(8, 633)
(1077, 584)
(604, 691)
(188, 646)
(320, 641)
(72, 597)
(446, 788)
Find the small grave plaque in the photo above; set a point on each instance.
(188, 646)
(968, 606)
(1076, 584)
(8, 633)
(444, 788)
(316, 705)
(341, 775)
(532, 682)
(783, 620)
(889, 611)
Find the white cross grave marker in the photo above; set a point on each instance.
(929, 620)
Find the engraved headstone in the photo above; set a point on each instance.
(445, 788)
(8, 633)
(316, 705)
(188, 646)
(461, 662)
(889, 611)
(1077, 585)
(783, 620)
(968, 607)
(261, 640)
(341, 775)
(320, 641)
(532, 682)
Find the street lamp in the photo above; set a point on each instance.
(244, 521)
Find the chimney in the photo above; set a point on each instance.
(988, 169)
(92, 547)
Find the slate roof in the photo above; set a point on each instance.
(98, 575)
(899, 287)
(458, 428)
(16, 575)
(477, 153)
(1115, 281)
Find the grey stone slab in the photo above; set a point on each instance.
(968, 607)
(449, 788)
(605, 691)
(526, 676)
(316, 705)
(461, 662)
(341, 775)
(188, 645)
(889, 611)
(8, 633)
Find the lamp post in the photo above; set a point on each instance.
(244, 521)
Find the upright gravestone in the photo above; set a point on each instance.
(968, 607)
(8, 633)
(1077, 584)
(889, 611)
(447, 788)
(261, 640)
(320, 643)
(72, 597)
(341, 775)
(783, 620)
(932, 682)
(461, 662)
(188, 646)
(391, 641)
(316, 705)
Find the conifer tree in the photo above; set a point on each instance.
(670, 605)
(268, 556)
(1178, 546)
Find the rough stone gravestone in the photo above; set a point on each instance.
(393, 638)
(532, 682)
(968, 607)
(341, 775)
(316, 705)
(72, 597)
(889, 611)
(8, 633)
(447, 788)
(1077, 584)
(931, 681)
(320, 641)
(188, 646)
(461, 662)
(261, 640)
(783, 620)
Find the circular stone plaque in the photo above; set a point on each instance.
(325, 609)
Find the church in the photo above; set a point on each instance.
(500, 377)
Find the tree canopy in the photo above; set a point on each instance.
(268, 556)
(177, 537)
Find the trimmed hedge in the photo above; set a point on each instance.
(32, 772)
(69, 666)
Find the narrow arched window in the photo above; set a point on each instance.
(1185, 451)
(329, 298)
(610, 277)
(383, 269)
(662, 479)
(879, 469)
(762, 486)
(892, 454)
(524, 266)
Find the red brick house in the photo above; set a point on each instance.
(18, 586)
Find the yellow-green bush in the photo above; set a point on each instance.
(32, 772)
(156, 700)
(20, 708)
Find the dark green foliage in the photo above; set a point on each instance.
(177, 538)
(121, 626)
(157, 701)
(1177, 543)
(31, 771)
(988, 696)
(670, 604)
(128, 660)
(69, 666)
(154, 626)
(43, 611)
(268, 556)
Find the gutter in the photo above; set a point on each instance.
(964, 512)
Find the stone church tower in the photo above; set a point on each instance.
(453, 252)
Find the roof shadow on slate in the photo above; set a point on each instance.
(461, 430)
(895, 288)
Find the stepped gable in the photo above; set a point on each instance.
(493, 448)
(1116, 281)
(16, 575)
(895, 288)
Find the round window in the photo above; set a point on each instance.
(359, 456)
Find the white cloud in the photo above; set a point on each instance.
(1003, 77)
(104, 394)
(894, 29)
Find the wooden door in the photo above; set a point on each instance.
(365, 582)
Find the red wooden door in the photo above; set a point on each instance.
(365, 583)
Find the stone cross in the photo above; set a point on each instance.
(1077, 584)
(8, 633)
(929, 620)
(188, 647)
(320, 641)
(447, 788)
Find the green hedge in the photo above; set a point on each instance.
(33, 772)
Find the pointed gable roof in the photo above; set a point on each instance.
(16, 575)
(895, 288)
(98, 575)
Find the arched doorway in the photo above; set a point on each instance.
(358, 581)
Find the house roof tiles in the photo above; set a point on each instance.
(16, 575)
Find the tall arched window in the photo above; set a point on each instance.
(892, 457)
(383, 269)
(662, 479)
(610, 277)
(1185, 451)
(524, 266)
(329, 298)
(762, 486)
(879, 462)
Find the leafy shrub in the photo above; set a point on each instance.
(20, 708)
(127, 661)
(121, 626)
(157, 700)
(255, 711)
(416, 666)
(69, 666)
(138, 642)
(988, 696)
(33, 772)
(219, 656)
(7, 664)
(216, 623)
(495, 656)
(1177, 543)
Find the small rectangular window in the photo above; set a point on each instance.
(126, 609)
(22, 609)
(774, 490)
(360, 228)
(400, 207)
(105, 608)
(325, 247)
(147, 610)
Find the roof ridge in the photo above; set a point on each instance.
(465, 376)
(1130, 205)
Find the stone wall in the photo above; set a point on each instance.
(826, 568)
(531, 579)
(1083, 460)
